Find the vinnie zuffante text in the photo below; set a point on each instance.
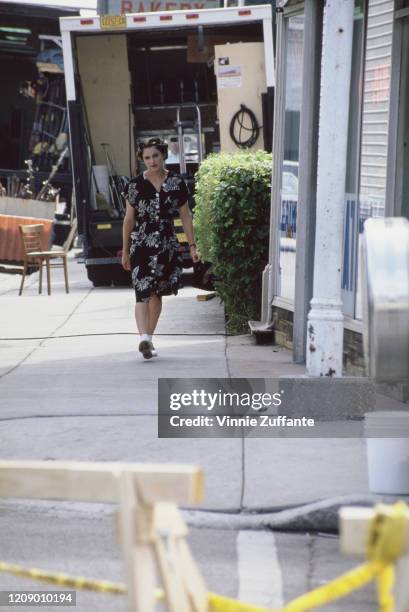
(262, 420)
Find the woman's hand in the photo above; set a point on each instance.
(126, 261)
(194, 254)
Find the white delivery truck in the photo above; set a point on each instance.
(201, 79)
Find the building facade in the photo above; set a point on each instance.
(372, 111)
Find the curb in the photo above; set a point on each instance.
(319, 516)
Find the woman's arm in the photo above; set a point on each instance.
(186, 218)
(127, 228)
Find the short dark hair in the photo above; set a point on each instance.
(158, 143)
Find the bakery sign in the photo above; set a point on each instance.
(119, 7)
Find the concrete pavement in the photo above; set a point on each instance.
(72, 386)
(91, 397)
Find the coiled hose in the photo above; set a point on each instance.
(254, 129)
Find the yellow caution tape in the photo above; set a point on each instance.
(218, 603)
(74, 582)
(385, 583)
(340, 587)
(387, 536)
(388, 533)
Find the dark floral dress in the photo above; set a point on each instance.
(155, 259)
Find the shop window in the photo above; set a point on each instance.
(375, 118)
(401, 123)
(402, 207)
(365, 186)
(289, 172)
(351, 213)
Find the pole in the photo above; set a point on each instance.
(325, 319)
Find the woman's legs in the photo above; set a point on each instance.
(155, 308)
(142, 322)
(147, 314)
(142, 317)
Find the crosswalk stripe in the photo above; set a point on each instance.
(259, 571)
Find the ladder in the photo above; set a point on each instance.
(180, 127)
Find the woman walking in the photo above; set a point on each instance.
(150, 246)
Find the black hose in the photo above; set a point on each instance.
(254, 129)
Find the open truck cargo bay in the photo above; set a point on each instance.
(180, 75)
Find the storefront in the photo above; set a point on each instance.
(377, 160)
(289, 278)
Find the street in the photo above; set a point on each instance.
(257, 566)
(74, 387)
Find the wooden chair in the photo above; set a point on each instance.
(34, 255)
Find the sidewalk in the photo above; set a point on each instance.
(83, 393)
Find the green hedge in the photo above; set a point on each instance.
(231, 221)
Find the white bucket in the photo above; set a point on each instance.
(102, 180)
(388, 454)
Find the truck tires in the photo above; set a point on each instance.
(120, 277)
(99, 276)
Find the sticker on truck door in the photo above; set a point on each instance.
(228, 76)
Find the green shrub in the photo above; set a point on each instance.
(231, 219)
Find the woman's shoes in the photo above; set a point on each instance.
(147, 349)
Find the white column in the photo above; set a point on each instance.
(325, 319)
